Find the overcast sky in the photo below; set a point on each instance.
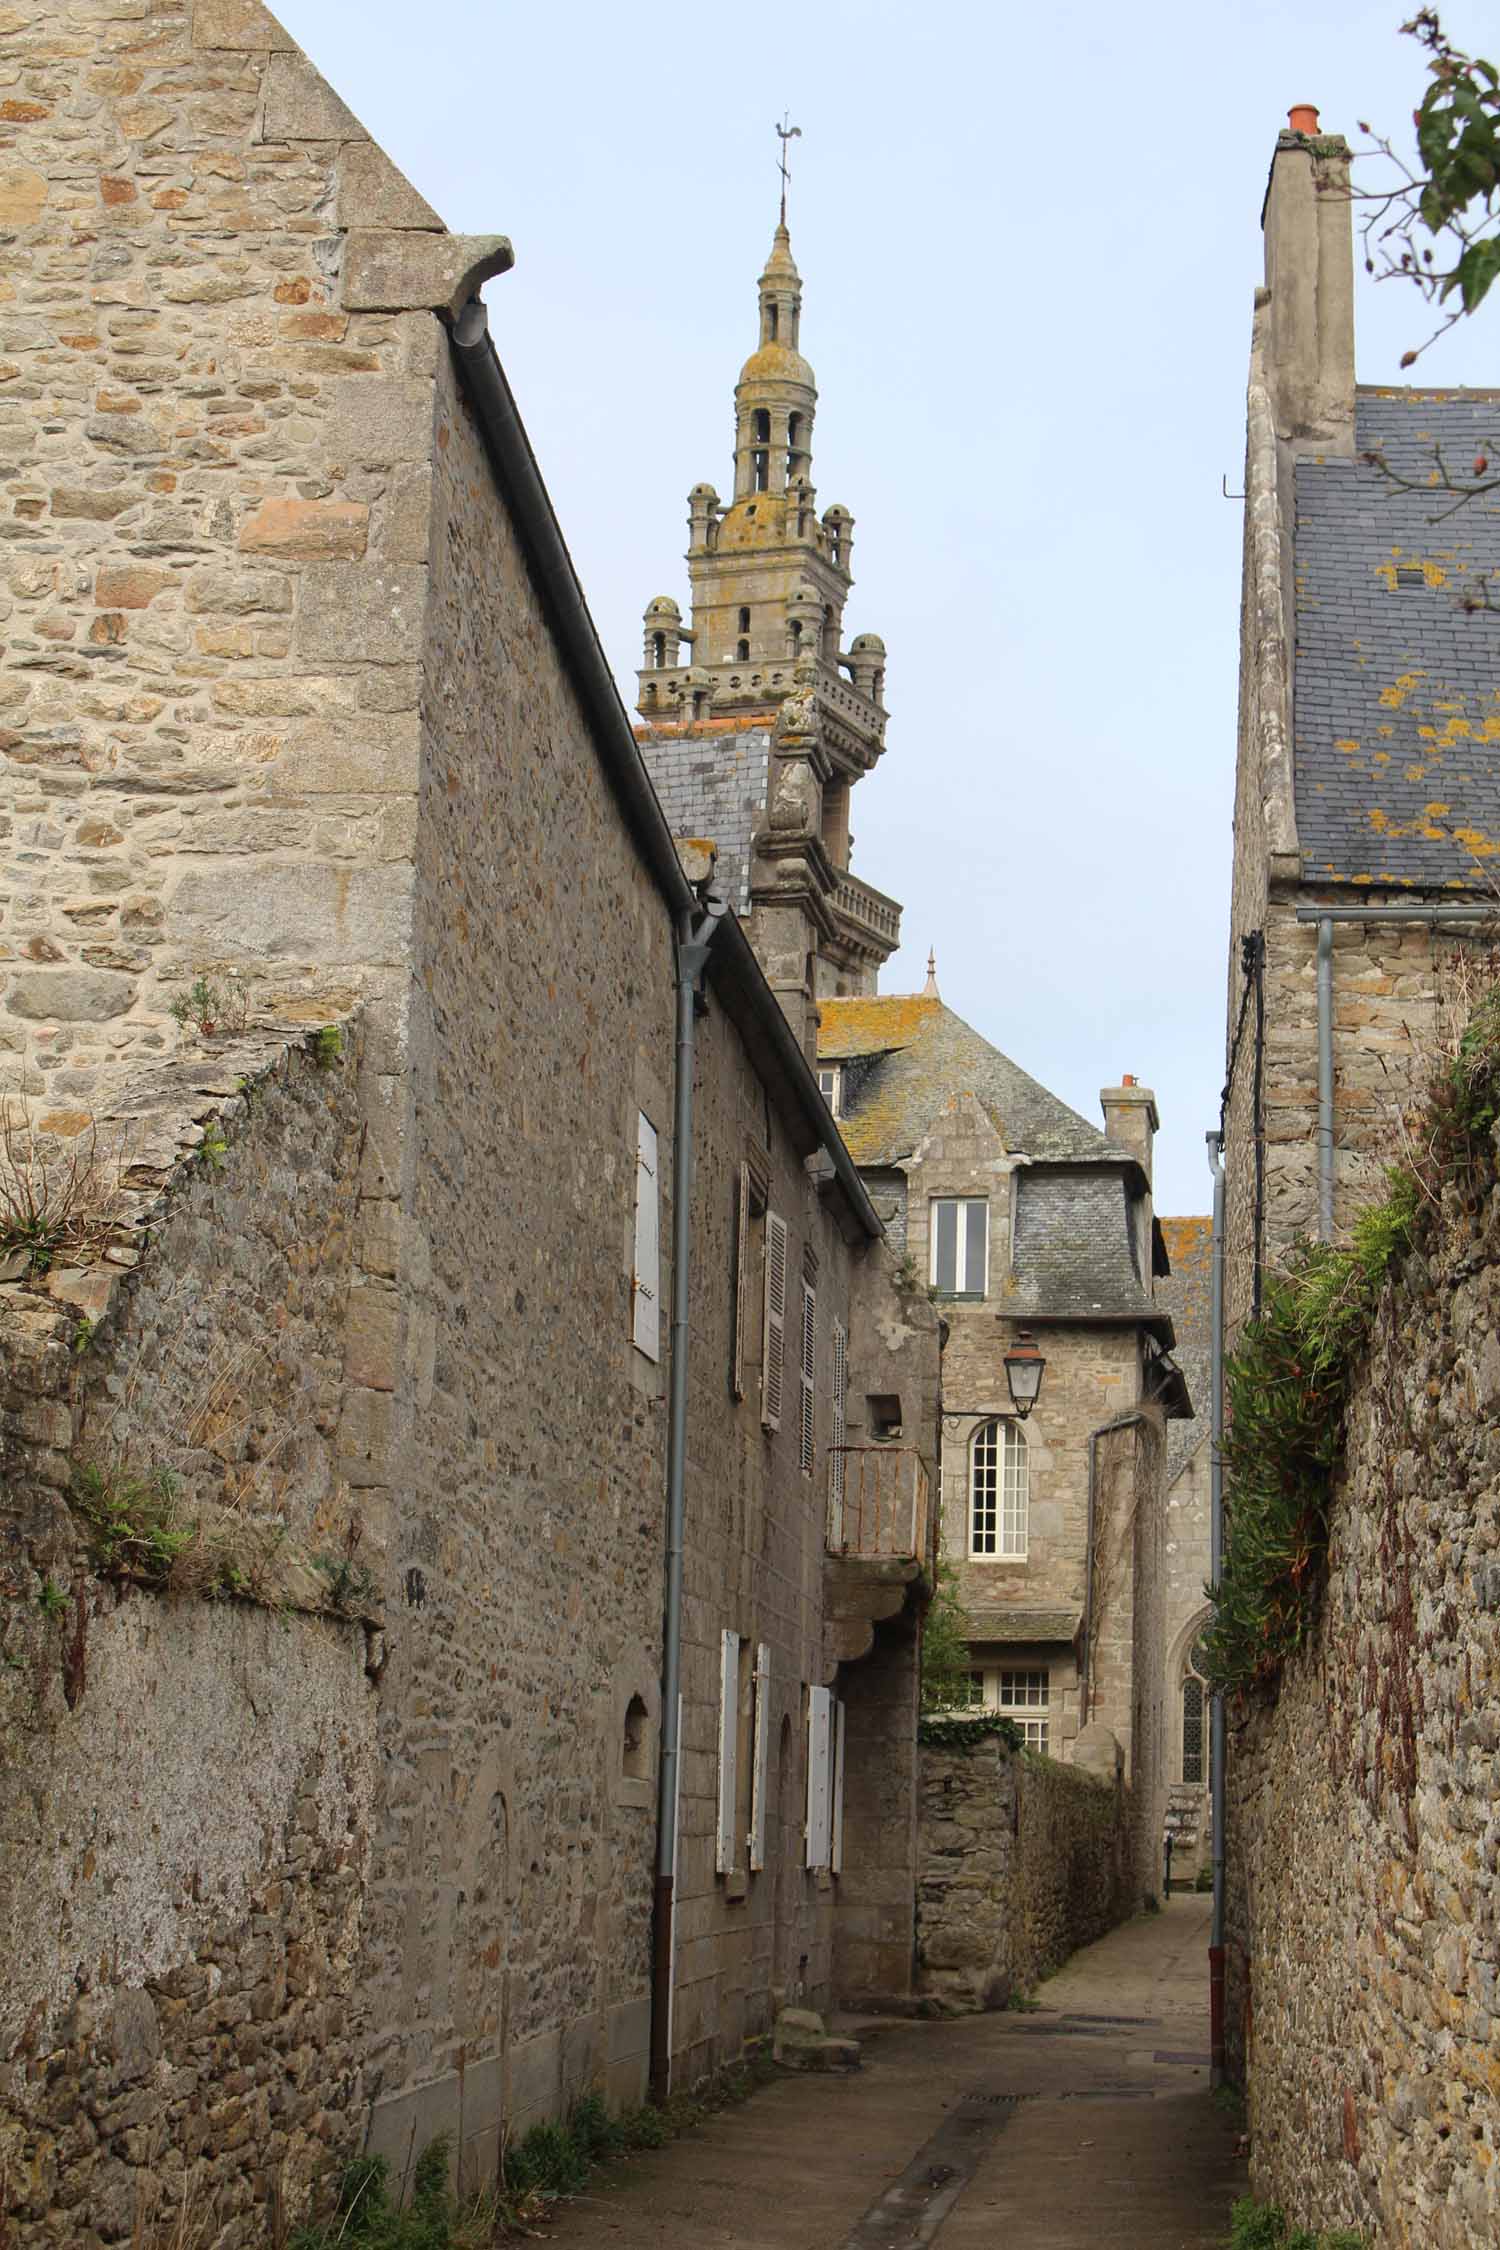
(1028, 239)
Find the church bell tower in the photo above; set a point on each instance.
(757, 720)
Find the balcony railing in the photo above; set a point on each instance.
(877, 1503)
(870, 913)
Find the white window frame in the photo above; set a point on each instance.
(645, 1275)
(965, 1282)
(1022, 1693)
(831, 1086)
(999, 1491)
(807, 1435)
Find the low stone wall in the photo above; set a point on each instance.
(1364, 1962)
(1020, 1861)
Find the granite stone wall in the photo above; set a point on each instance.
(1364, 1943)
(1020, 1861)
(186, 1776)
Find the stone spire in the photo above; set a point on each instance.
(930, 988)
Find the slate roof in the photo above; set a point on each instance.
(712, 784)
(1396, 687)
(920, 1055)
(1073, 1257)
(906, 1057)
(1012, 1623)
(1186, 1293)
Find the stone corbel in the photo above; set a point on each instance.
(401, 270)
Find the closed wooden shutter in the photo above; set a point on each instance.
(646, 1276)
(808, 1433)
(840, 1426)
(819, 1829)
(729, 1727)
(761, 1754)
(836, 1854)
(741, 1281)
(773, 1372)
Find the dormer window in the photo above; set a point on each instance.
(831, 1087)
(960, 1245)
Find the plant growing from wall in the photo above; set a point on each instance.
(60, 1199)
(947, 1682)
(1263, 2226)
(211, 1009)
(1287, 1382)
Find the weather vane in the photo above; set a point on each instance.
(785, 133)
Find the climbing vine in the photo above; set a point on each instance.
(1287, 1382)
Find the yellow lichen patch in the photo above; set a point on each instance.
(873, 1025)
(1380, 757)
(1434, 574)
(1436, 809)
(1416, 773)
(1346, 743)
(1476, 841)
(1387, 571)
(1405, 684)
(1385, 728)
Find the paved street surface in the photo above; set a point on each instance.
(1088, 2123)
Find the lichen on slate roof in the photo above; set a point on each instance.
(923, 1056)
(1006, 1623)
(1186, 1293)
(1396, 685)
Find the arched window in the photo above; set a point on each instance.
(744, 620)
(775, 319)
(742, 652)
(999, 1495)
(635, 1758)
(659, 651)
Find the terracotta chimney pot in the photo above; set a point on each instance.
(1303, 118)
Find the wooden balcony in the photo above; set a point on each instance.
(879, 1541)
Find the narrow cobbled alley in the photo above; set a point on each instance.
(1088, 2122)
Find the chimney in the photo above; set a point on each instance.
(1130, 1119)
(1308, 223)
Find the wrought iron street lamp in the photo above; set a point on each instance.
(1024, 1369)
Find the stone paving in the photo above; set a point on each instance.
(1088, 2122)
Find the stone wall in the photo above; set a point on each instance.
(185, 1782)
(1365, 1946)
(1020, 1861)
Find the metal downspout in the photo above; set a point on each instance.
(1216, 1742)
(695, 935)
(1325, 1079)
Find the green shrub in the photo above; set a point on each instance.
(1263, 2226)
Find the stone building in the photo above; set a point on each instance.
(1016, 1216)
(1367, 804)
(1367, 820)
(353, 992)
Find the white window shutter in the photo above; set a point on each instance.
(729, 1737)
(762, 1751)
(840, 1425)
(646, 1278)
(773, 1372)
(819, 1775)
(741, 1281)
(837, 1853)
(808, 1432)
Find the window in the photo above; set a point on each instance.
(807, 1434)
(744, 620)
(1023, 1696)
(999, 1497)
(1192, 1729)
(831, 1087)
(645, 1286)
(742, 652)
(762, 1741)
(729, 1745)
(635, 1761)
(959, 1263)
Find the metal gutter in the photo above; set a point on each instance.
(735, 972)
(1433, 917)
(696, 932)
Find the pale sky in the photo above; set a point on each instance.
(1028, 240)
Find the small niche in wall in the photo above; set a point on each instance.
(883, 1413)
(635, 1761)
